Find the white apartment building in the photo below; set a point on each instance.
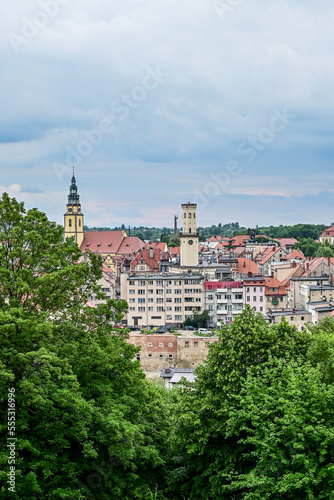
(254, 292)
(162, 298)
(223, 300)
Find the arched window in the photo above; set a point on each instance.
(189, 215)
(194, 215)
(69, 222)
(79, 222)
(185, 215)
(190, 230)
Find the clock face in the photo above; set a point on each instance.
(190, 242)
(70, 209)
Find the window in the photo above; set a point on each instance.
(131, 282)
(132, 308)
(170, 344)
(178, 300)
(159, 283)
(189, 215)
(210, 297)
(141, 301)
(254, 298)
(170, 355)
(302, 318)
(186, 344)
(161, 344)
(261, 289)
(159, 292)
(247, 289)
(141, 283)
(254, 289)
(131, 291)
(178, 317)
(177, 292)
(150, 282)
(150, 355)
(69, 222)
(261, 298)
(159, 309)
(195, 344)
(132, 300)
(177, 283)
(168, 308)
(281, 299)
(168, 282)
(79, 223)
(168, 290)
(141, 292)
(160, 300)
(161, 355)
(151, 308)
(150, 291)
(169, 300)
(268, 299)
(149, 344)
(261, 309)
(248, 298)
(141, 268)
(141, 309)
(169, 317)
(291, 318)
(150, 300)
(177, 308)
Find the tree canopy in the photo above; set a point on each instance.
(88, 422)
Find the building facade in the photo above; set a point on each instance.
(162, 299)
(224, 300)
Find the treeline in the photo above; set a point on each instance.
(257, 423)
(298, 231)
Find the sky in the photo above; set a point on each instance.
(224, 103)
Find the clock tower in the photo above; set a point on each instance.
(73, 218)
(189, 236)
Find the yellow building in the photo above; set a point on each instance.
(73, 218)
(327, 235)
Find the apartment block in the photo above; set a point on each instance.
(254, 292)
(162, 299)
(223, 300)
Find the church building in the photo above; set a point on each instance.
(114, 246)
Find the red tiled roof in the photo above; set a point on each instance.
(328, 232)
(152, 262)
(274, 283)
(246, 266)
(102, 241)
(174, 251)
(295, 254)
(130, 245)
(287, 241)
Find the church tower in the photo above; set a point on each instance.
(189, 236)
(73, 218)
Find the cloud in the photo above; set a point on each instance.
(225, 79)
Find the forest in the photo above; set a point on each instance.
(257, 423)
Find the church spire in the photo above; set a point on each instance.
(73, 197)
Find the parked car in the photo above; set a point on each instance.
(204, 331)
(163, 329)
(133, 327)
(190, 328)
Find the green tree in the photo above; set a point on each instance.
(88, 423)
(202, 448)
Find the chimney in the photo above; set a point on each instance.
(151, 253)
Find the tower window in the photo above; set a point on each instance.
(194, 216)
(79, 223)
(190, 230)
(189, 216)
(185, 215)
(69, 222)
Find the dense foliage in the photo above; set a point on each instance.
(88, 422)
(311, 248)
(198, 320)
